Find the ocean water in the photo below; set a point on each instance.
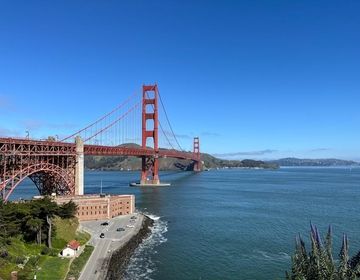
(233, 224)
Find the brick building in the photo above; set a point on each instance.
(100, 207)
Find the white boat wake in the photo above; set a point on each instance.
(141, 265)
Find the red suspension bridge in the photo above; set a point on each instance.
(58, 166)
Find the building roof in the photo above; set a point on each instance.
(73, 244)
(92, 196)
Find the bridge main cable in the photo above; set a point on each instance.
(102, 118)
(114, 122)
(161, 127)
(168, 120)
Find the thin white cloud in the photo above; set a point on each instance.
(210, 134)
(179, 136)
(250, 153)
(34, 124)
(320, 150)
(5, 132)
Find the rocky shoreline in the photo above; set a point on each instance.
(119, 260)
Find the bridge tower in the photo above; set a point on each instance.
(79, 167)
(196, 151)
(150, 165)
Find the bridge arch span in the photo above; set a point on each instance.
(48, 178)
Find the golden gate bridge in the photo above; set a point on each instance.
(57, 166)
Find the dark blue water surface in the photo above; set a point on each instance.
(233, 224)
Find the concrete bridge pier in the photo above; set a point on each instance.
(79, 168)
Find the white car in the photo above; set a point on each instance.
(130, 226)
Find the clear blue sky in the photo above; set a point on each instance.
(255, 79)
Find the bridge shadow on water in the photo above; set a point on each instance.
(175, 177)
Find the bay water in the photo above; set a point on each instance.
(235, 223)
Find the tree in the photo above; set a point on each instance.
(319, 263)
(32, 219)
(67, 210)
(49, 210)
(45, 209)
(35, 225)
(14, 216)
(2, 220)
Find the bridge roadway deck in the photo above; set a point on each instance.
(137, 152)
(26, 147)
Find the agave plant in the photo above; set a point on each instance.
(319, 264)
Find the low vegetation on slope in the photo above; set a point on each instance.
(78, 264)
(32, 235)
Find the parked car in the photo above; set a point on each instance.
(104, 224)
(120, 229)
(133, 218)
(102, 235)
(130, 226)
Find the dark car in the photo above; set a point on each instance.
(102, 235)
(120, 229)
(133, 218)
(104, 224)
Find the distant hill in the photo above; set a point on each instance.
(314, 162)
(213, 162)
(133, 163)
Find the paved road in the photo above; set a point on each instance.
(112, 241)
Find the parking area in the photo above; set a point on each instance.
(107, 236)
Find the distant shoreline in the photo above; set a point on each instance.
(319, 167)
(321, 162)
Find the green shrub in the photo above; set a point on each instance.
(20, 259)
(78, 264)
(83, 237)
(45, 251)
(4, 253)
(59, 243)
(33, 261)
(54, 252)
(319, 263)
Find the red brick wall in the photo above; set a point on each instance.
(101, 208)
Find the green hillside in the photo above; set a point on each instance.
(133, 163)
